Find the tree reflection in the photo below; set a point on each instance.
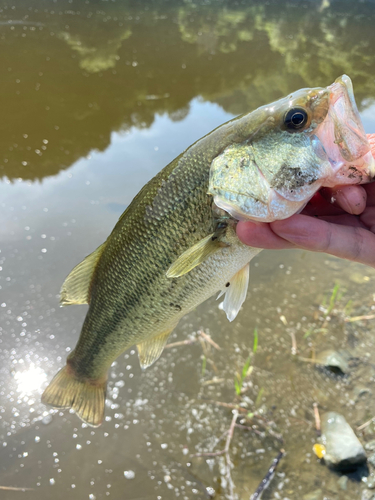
(76, 72)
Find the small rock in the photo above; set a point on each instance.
(360, 392)
(314, 495)
(336, 361)
(343, 449)
(370, 446)
(343, 482)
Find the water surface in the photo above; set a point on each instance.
(96, 97)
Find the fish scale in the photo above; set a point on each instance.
(176, 245)
(142, 235)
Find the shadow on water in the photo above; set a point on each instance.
(96, 97)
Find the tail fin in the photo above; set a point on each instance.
(85, 397)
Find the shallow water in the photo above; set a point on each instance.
(96, 97)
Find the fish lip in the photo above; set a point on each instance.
(344, 113)
(351, 146)
(343, 84)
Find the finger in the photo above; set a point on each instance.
(370, 190)
(352, 243)
(344, 220)
(368, 218)
(352, 199)
(260, 235)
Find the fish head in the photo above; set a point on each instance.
(286, 151)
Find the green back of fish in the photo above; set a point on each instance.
(130, 296)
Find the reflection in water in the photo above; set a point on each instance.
(93, 58)
(111, 92)
(76, 73)
(30, 380)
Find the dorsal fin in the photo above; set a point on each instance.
(150, 350)
(195, 255)
(235, 293)
(75, 289)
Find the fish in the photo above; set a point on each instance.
(175, 245)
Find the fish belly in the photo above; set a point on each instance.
(158, 311)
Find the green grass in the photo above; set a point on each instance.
(348, 308)
(329, 302)
(247, 368)
(240, 378)
(259, 397)
(255, 343)
(332, 299)
(335, 296)
(309, 332)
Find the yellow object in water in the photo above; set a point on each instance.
(319, 450)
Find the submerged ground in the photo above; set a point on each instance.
(96, 97)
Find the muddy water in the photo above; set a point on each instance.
(96, 97)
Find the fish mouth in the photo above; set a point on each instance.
(343, 137)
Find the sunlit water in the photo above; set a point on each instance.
(97, 97)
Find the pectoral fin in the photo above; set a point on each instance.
(195, 255)
(150, 350)
(75, 289)
(235, 293)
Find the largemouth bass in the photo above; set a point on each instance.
(176, 245)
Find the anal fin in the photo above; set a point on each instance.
(75, 289)
(235, 293)
(150, 350)
(195, 255)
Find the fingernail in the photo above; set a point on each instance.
(344, 202)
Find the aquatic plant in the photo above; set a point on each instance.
(247, 368)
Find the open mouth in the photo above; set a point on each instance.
(350, 136)
(343, 137)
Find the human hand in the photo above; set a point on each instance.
(339, 221)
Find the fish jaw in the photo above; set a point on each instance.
(343, 138)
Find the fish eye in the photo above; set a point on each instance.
(295, 118)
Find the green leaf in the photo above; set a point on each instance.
(255, 343)
(246, 367)
(259, 397)
(309, 332)
(332, 299)
(348, 307)
(238, 386)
